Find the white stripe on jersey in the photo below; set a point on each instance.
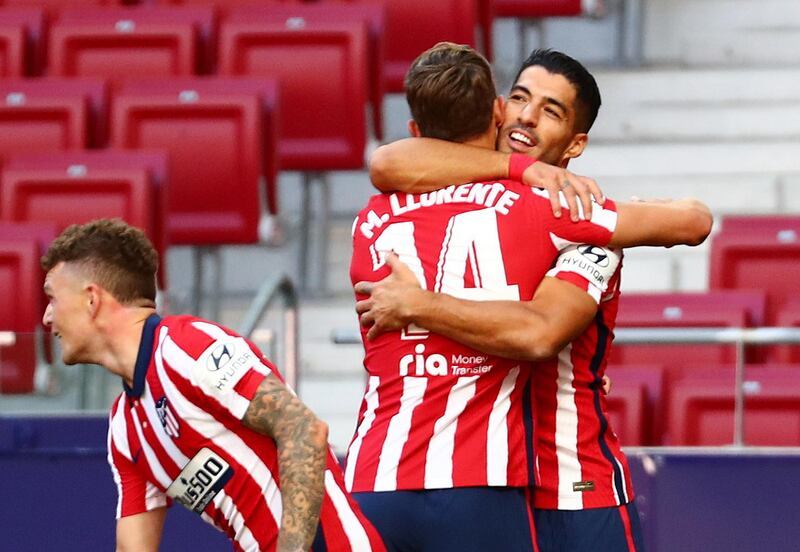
(600, 215)
(359, 540)
(625, 490)
(439, 457)
(242, 535)
(212, 330)
(569, 468)
(200, 421)
(152, 460)
(118, 429)
(397, 435)
(371, 398)
(497, 433)
(115, 472)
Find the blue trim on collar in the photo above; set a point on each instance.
(143, 357)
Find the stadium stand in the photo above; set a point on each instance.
(213, 136)
(21, 48)
(757, 261)
(634, 405)
(117, 43)
(731, 309)
(701, 407)
(373, 15)
(107, 163)
(319, 64)
(50, 114)
(415, 25)
(66, 193)
(21, 305)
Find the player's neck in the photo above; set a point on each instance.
(485, 140)
(122, 337)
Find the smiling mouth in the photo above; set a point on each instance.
(521, 139)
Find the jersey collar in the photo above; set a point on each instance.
(143, 357)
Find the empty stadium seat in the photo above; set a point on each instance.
(701, 407)
(634, 404)
(119, 43)
(323, 76)
(373, 15)
(108, 164)
(21, 308)
(50, 114)
(757, 261)
(413, 26)
(318, 64)
(780, 226)
(21, 47)
(731, 309)
(212, 129)
(789, 317)
(73, 193)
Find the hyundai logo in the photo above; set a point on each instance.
(219, 357)
(595, 254)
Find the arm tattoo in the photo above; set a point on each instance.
(301, 440)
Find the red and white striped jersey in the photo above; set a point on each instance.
(578, 457)
(177, 435)
(437, 414)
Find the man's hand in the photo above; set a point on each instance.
(388, 306)
(575, 188)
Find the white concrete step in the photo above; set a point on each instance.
(774, 158)
(721, 31)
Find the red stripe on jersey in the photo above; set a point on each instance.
(471, 433)
(369, 456)
(133, 490)
(248, 385)
(531, 522)
(626, 523)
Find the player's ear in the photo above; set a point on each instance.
(413, 128)
(93, 299)
(498, 111)
(575, 148)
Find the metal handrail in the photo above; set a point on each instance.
(666, 336)
(272, 289)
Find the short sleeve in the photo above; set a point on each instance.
(589, 267)
(135, 495)
(229, 371)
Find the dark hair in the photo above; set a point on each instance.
(586, 91)
(116, 255)
(451, 91)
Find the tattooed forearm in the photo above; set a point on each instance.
(302, 442)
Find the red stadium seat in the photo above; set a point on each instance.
(50, 114)
(413, 26)
(731, 309)
(21, 308)
(319, 64)
(789, 317)
(758, 261)
(73, 193)
(119, 43)
(21, 47)
(538, 8)
(634, 403)
(373, 15)
(701, 407)
(777, 225)
(98, 164)
(212, 129)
